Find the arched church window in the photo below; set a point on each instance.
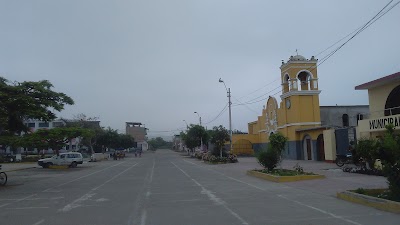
(345, 120)
(392, 106)
(286, 83)
(304, 78)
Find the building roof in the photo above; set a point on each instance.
(379, 82)
(314, 128)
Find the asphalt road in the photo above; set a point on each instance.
(165, 188)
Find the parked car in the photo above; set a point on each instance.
(71, 159)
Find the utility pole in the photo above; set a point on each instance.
(201, 138)
(228, 91)
(230, 119)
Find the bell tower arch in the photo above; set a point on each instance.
(300, 93)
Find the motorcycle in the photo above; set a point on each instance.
(343, 159)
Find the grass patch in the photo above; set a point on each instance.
(285, 172)
(377, 193)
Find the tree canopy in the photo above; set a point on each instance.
(110, 138)
(54, 138)
(194, 135)
(158, 142)
(28, 100)
(219, 136)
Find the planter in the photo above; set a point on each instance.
(378, 203)
(283, 178)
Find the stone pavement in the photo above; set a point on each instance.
(336, 180)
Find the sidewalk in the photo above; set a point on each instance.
(336, 180)
(8, 167)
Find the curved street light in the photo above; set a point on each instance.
(201, 138)
(228, 92)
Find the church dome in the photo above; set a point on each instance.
(298, 58)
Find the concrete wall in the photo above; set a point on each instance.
(329, 145)
(332, 115)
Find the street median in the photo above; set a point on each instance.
(280, 179)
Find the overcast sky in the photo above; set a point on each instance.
(158, 61)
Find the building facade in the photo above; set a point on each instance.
(311, 129)
(384, 102)
(138, 131)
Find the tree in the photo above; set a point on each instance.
(238, 132)
(28, 100)
(55, 138)
(219, 137)
(367, 149)
(270, 158)
(277, 143)
(390, 157)
(110, 138)
(195, 135)
(91, 123)
(158, 142)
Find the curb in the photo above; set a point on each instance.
(58, 167)
(280, 179)
(12, 170)
(378, 203)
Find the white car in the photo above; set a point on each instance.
(71, 159)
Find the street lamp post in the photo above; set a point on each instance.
(201, 138)
(228, 92)
(187, 126)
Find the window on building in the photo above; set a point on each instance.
(30, 125)
(43, 124)
(392, 106)
(359, 117)
(57, 124)
(345, 120)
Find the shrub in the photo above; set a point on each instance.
(367, 149)
(390, 158)
(273, 156)
(298, 168)
(268, 159)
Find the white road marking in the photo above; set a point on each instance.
(143, 217)
(77, 202)
(254, 186)
(320, 210)
(152, 170)
(82, 177)
(4, 205)
(113, 178)
(29, 208)
(148, 194)
(317, 209)
(213, 197)
(39, 222)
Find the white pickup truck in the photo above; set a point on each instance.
(71, 159)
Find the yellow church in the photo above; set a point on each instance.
(296, 115)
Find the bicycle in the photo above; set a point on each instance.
(3, 178)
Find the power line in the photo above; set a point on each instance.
(365, 26)
(246, 106)
(219, 114)
(381, 13)
(252, 102)
(259, 88)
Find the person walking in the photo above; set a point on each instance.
(138, 152)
